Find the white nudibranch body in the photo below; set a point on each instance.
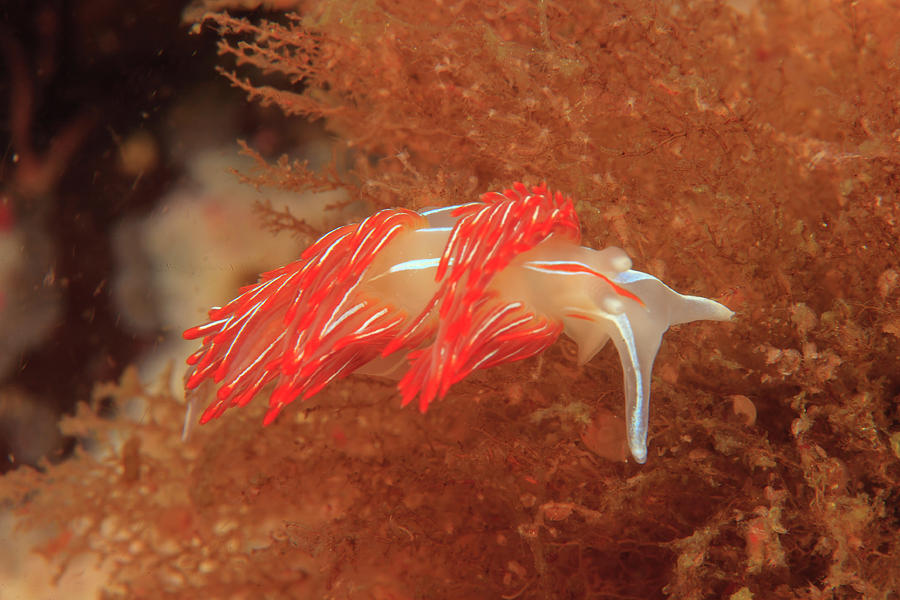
(441, 293)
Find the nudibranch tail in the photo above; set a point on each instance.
(431, 297)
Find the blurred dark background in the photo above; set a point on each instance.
(80, 79)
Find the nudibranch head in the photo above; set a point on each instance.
(430, 297)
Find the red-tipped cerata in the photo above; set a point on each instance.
(301, 325)
(477, 327)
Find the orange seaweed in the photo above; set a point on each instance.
(749, 155)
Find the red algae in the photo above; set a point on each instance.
(750, 156)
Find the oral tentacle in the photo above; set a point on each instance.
(636, 356)
(637, 365)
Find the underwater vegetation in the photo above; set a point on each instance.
(745, 152)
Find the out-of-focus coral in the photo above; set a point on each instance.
(201, 244)
(29, 299)
(205, 238)
(747, 151)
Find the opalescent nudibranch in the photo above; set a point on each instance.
(431, 296)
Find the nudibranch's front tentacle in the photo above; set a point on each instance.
(302, 325)
(637, 358)
(636, 330)
(486, 237)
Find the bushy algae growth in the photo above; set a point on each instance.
(750, 155)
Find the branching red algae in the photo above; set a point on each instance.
(749, 157)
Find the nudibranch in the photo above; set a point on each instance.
(429, 297)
